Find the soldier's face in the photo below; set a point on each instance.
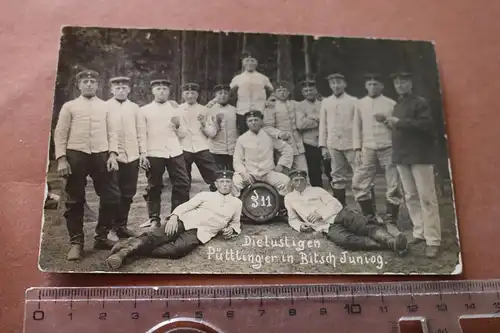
(249, 64)
(282, 94)
(88, 87)
(190, 96)
(222, 96)
(299, 183)
(374, 88)
(309, 93)
(337, 86)
(254, 124)
(161, 93)
(402, 86)
(120, 91)
(224, 185)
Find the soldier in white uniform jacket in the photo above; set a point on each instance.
(86, 143)
(164, 151)
(254, 157)
(190, 225)
(199, 126)
(251, 88)
(314, 209)
(131, 149)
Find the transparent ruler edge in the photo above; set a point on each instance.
(266, 291)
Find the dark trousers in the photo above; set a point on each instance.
(353, 231)
(223, 161)
(105, 185)
(241, 124)
(128, 174)
(178, 175)
(159, 245)
(314, 161)
(205, 163)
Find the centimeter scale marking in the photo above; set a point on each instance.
(436, 307)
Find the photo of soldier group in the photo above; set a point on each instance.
(214, 152)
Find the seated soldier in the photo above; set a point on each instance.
(190, 225)
(253, 158)
(314, 209)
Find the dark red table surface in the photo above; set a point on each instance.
(466, 34)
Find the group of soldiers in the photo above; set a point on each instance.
(266, 137)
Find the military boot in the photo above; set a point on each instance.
(122, 250)
(339, 194)
(75, 252)
(120, 225)
(392, 212)
(107, 213)
(398, 244)
(154, 208)
(367, 208)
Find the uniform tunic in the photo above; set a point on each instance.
(375, 140)
(336, 133)
(85, 133)
(130, 128)
(209, 213)
(223, 142)
(254, 155)
(251, 91)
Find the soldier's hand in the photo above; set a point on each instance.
(63, 167)
(279, 168)
(172, 226)
(270, 102)
(201, 119)
(227, 232)
(391, 121)
(284, 136)
(359, 157)
(380, 117)
(314, 217)
(112, 164)
(176, 121)
(306, 228)
(144, 162)
(325, 153)
(247, 178)
(219, 117)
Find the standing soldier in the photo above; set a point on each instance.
(336, 133)
(375, 140)
(199, 126)
(252, 89)
(86, 143)
(307, 124)
(413, 152)
(131, 149)
(280, 122)
(223, 143)
(163, 129)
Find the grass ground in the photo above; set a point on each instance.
(212, 257)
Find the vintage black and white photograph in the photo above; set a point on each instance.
(247, 153)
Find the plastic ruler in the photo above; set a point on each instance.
(428, 307)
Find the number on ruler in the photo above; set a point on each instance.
(261, 312)
(496, 305)
(103, 315)
(470, 306)
(442, 307)
(166, 315)
(135, 315)
(323, 312)
(198, 314)
(265, 201)
(292, 312)
(70, 316)
(230, 314)
(38, 315)
(353, 308)
(383, 309)
(412, 308)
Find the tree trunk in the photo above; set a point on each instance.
(207, 67)
(307, 61)
(285, 71)
(184, 58)
(244, 43)
(178, 53)
(219, 58)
